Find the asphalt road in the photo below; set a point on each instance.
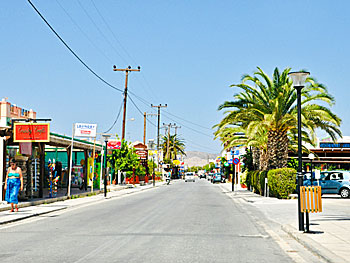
(181, 222)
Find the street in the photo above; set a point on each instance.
(181, 222)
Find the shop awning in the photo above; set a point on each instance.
(65, 141)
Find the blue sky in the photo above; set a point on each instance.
(190, 52)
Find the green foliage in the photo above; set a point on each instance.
(248, 161)
(208, 167)
(293, 163)
(125, 159)
(255, 180)
(282, 182)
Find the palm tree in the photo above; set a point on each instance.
(266, 108)
(176, 146)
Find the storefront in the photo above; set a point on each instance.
(43, 173)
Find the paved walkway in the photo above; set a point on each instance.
(43, 206)
(330, 237)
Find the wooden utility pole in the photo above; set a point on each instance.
(159, 106)
(127, 70)
(144, 125)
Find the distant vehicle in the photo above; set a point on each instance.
(202, 175)
(216, 178)
(331, 182)
(210, 177)
(189, 177)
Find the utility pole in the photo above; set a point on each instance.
(159, 106)
(127, 70)
(144, 125)
(176, 127)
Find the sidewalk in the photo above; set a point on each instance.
(330, 237)
(47, 205)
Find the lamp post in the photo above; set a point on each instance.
(105, 137)
(299, 79)
(311, 157)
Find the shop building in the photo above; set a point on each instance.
(37, 166)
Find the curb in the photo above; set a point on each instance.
(32, 215)
(316, 248)
(57, 199)
(63, 198)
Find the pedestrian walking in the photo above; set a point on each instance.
(13, 183)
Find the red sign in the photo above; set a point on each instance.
(31, 132)
(114, 145)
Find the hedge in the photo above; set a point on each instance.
(281, 182)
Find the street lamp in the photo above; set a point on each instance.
(311, 157)
(105, 137)
(299, 79)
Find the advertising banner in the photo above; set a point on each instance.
(85, 130)
(31, 132)
(114, 145)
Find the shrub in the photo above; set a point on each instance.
(281, 182)
(254, 181)
(248, 179)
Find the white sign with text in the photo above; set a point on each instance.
(85, 130)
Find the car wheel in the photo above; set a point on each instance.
(345, 193)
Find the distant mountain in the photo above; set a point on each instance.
(194, 158)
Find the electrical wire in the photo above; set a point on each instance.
(75, 55)
(187, 120)
(120, 110)
(104, 81)
(83, 32)
(138, 109)
(102, 34)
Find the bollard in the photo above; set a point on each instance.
(310, 202)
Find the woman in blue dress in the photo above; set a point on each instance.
(13, 183)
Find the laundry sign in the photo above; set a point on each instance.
(85, 130)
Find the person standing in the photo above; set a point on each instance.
(13, 183)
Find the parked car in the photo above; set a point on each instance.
(331, 182)
(216, 178)
(202, 175)
(189, 177)
(210, 177)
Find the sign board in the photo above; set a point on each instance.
(176, 162)
(114, 145)
(226, 164)
(31, 132)
(230, 161)
(143, 154)
(236, 161)
(334, 145)
(317, 174)
(85, 130)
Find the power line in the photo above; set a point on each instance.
(82, 31)
(75, 55)
(188, 121)
(138, 109)
(120, 110)
(99, 30)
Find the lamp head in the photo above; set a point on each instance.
(114, 66)
(299, 78)
(311, 156)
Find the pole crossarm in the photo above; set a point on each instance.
(127, 70)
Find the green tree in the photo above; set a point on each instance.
(266, 111)
(176, 146)
(126, 160)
